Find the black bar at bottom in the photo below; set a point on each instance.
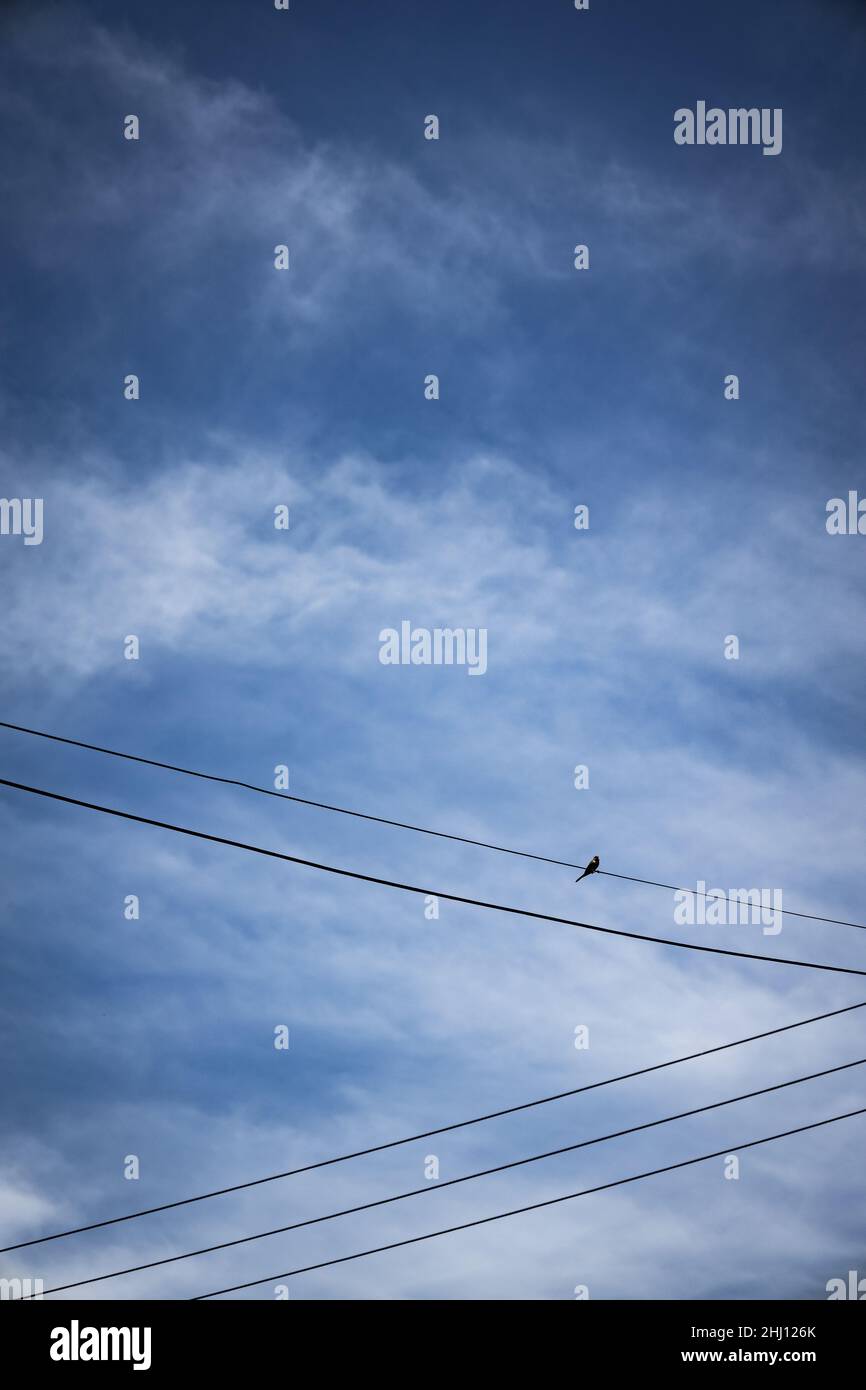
(282, 1337)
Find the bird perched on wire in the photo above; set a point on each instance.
(591, 867)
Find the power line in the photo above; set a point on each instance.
(425, 892)
(398, 824)
(534, 1206)
(431, 1133)
(450, 1182)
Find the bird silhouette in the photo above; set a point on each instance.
(590, 868)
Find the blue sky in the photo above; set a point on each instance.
(260, 647)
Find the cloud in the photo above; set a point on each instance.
(189, 560)
(233, 176)
(259, 647)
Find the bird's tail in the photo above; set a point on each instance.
(583, 875)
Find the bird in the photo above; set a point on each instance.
(591, 867)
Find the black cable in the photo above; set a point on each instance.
(449, 1182)
(425, 892)
(399, 824)
(430, 1133)
(534, 1206)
